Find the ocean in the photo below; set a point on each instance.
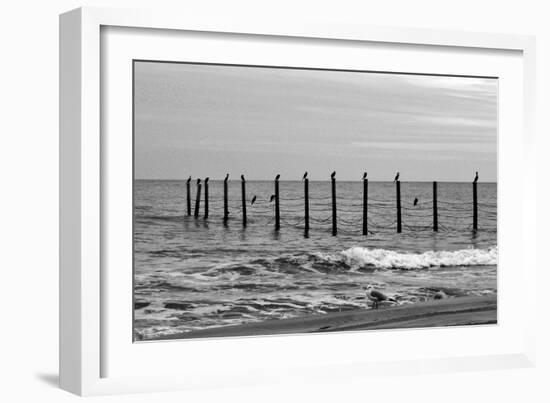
(196, 273)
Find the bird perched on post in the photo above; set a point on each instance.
(396, 177)
(332, 175)
(226, 177)
(476, 178)
(364, 175)
(242, 178)
(253, 200)
(198, 181)
(272, 198)
(277, 177)
(304, 177)
(415, 202)
(376, 296)
(206, 180)
(188, 179)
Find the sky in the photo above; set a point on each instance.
(209, 120)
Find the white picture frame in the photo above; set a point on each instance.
(85, 344)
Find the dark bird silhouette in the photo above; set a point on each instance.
(332, 175)
(415, 201)
(226, 177)
(206, 180)
(396, 177)
(253, 200)
(277, 177)
(198, 181)
(364, 175)
(242, 178)
(189, 179)
(305, 176)
(476, 178)
(272, 198)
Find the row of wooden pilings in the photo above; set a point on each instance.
(276, 198)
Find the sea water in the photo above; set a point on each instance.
(195, 273)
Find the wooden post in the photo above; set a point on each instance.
(306, 207)
(206, 197)
(243, 197)
(225, 208)
(436, 228)
(365, 205)
(334, 225)
(198, 199)
(475, 206)
(277, 206)
(398, 191)
(189, 196)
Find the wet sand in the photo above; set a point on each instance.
(435, 313)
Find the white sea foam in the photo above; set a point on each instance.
(387, 259)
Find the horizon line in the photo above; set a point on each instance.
(311, 180)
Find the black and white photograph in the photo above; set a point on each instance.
(282, 200)
(304, 201)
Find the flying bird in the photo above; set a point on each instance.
(476, 178)
(376, 296)
(332, 175)
(226, 177)
(272, 198)
(364, 175)
(253, 200)
(415, 201)
(242, 178)
(396, 177)
(277, 177)
(305, 176)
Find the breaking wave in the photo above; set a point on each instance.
(359, 257)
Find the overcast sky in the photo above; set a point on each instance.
(203, 120)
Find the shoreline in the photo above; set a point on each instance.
(459, 311)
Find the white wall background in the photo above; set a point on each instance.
(29, 196)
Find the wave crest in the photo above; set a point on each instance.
(359, 257)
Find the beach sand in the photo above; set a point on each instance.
(458, 311)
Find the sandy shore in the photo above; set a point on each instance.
(447, 312)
